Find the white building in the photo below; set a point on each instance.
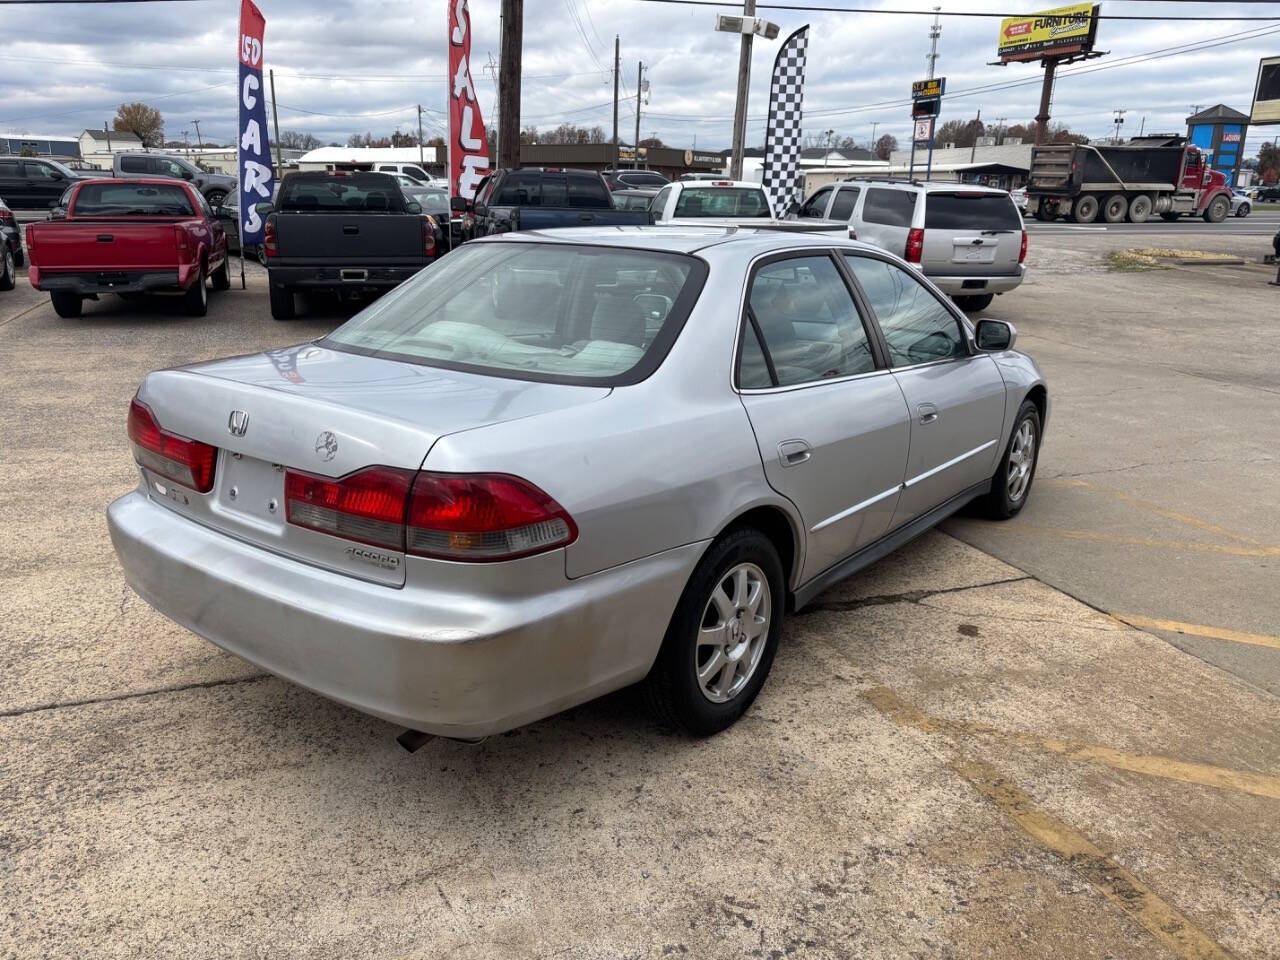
(99, 146)
(364, 158)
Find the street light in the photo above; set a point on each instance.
(747, 26)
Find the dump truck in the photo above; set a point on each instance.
(1084, 182)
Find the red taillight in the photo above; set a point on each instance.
(184, 461)
(452, 516)
(180, 237)
(1022, 254)
(269, 236)
(428, 237)
(483, 516)
(367, 506)
(915, 245)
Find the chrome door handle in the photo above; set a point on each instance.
(791, 452)
(927, 412)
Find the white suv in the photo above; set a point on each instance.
(967, 239)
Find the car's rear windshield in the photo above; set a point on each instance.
(722, 202)
(536, 188)
(536, 311)
(127, 199)
(970, 211)
(366, 193)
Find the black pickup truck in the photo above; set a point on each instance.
(534, 198)
(353, 234)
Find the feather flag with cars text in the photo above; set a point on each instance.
(254, 154)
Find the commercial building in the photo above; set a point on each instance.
(1220, 132)
(1003, 165)
(671, 162)
(40, 144)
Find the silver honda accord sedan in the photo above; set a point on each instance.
(555, 464)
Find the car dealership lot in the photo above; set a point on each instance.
(952, 758)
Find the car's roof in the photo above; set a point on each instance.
(637, 192)
(929, 186)
(681, 239)
(133, 181)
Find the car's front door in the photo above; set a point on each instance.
(956, 397)
(829, 418)
(45, 183)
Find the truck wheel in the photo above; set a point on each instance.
(974, 302)
(1139, 208)
(215, 197)
(1217, 210)
(66, 305)
(282, 303)
(8, 272)
(196, 301)
(1085, 209)
(222, 277)
(1114, 208)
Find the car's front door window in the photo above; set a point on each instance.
(916, 326)
(817, 204)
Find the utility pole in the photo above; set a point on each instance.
(935, 31)
(617, 67)
(275, 119)
(186, 141)
(1142, 128)
(199, 139)
(973, 150)
(744, 88)
(509, 83)
(1000, 130)
(420, 160)
(873, 136)
(491, 68)
(639, 88)
(1046, 95)
(1119, 120)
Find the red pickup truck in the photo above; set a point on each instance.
(129, 237)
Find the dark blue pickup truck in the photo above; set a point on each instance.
(535, 198)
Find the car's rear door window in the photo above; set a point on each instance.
(846, 199)
(893, 208)
(915, 324)
(554, 312)
(130, 164)
(970, 211)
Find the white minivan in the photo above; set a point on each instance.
(967, 239)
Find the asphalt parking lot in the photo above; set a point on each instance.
(967, 750)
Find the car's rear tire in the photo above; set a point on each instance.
(722, 637)
(1217, 210)
(8, 272)
(1011, 485)
(222, 277)
(974, 302)
(19, 258)
(282, 306)
(1139, 208)
(1085, 209)
(1243, 210)
(196, 299)
(66, 305)
(1114, 208)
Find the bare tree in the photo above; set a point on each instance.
(140, 119)
(885, 146)
(294, 140)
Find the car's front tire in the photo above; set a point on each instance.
(1217, 210)
(722, 637)
(1011, 484)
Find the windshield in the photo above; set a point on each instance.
(569, 314)
(124, 199)
(722, 202)
(971, 211)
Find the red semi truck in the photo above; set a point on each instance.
(1084, 182)
(129, 237)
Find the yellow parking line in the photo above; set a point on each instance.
(1101, 536)
(1166, 768)
(1198, 630)
(1164, 922)
(1156, 508)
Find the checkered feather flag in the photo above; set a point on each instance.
(781, 173)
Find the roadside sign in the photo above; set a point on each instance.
(1266, 92)
(1056, 32)
(928, 89)
(924, 130)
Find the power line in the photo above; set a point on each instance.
(813, 8)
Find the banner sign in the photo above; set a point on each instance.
(1063, 30)
(468, 145)
(254, 162)
(924, 130)
(928, 89)
(1266, 92)
(781, 172)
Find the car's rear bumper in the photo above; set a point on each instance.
(90, 282)
(976, 285)
(353, 277)
(482, 649)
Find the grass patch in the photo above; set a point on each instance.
(1153, 258)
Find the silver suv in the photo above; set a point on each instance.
(967, 239)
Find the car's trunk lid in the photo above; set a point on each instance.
(88, 245)
(324, 412)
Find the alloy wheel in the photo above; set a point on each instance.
(733, 633)
(1022, 457)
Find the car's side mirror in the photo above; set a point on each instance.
(994, 335)
(188, 175)
(413, 206)
(264, 208)
(459, 204)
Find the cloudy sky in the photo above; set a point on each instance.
(346, 66)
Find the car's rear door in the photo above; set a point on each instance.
(970, 233)
(829, 418)
(956, 398)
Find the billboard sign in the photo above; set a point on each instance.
(468, 145)
(1266, 92)
(928, 89)
(1060, 31)
(254, 162)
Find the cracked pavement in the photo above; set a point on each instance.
(950, 759)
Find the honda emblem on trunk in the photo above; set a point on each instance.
(326, 446)
(237, 423)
